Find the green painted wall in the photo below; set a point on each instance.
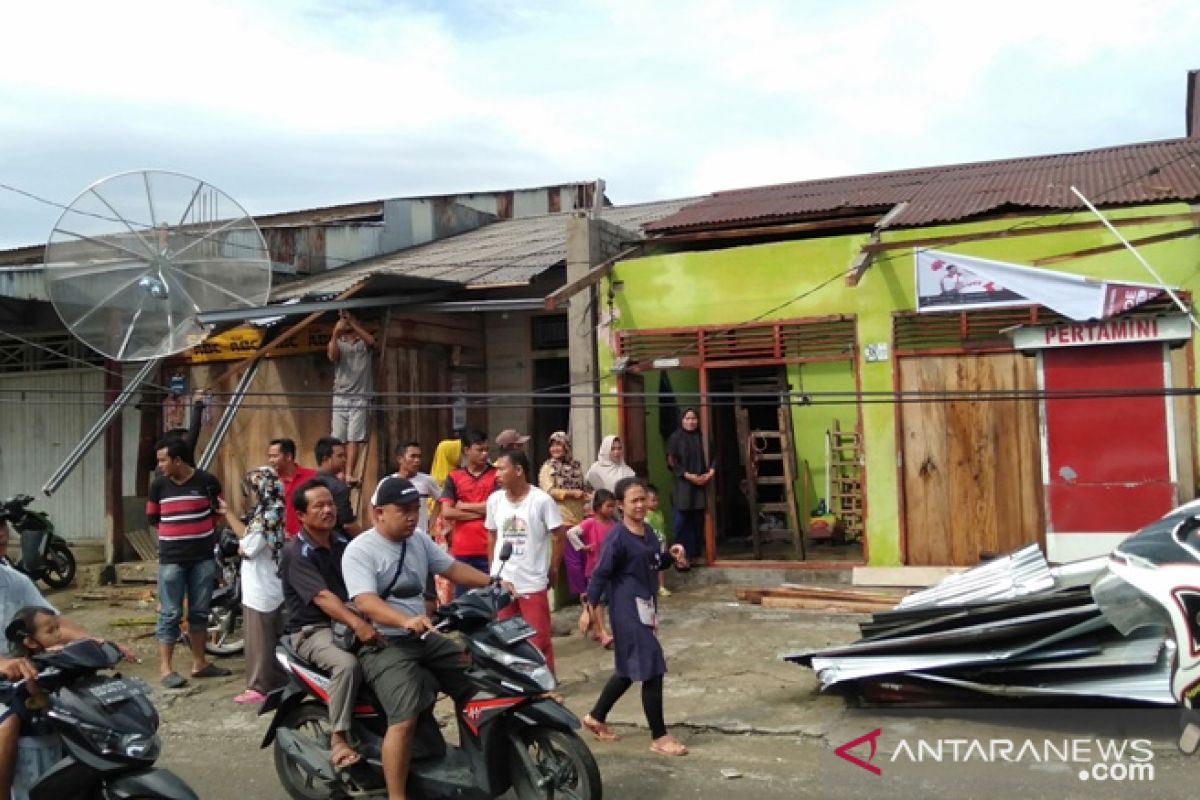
(799, 279)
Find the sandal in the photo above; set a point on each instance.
(212, 671)
(606, 642)
(601, 730)
(343, 756)
(173, 680)
(668, 746)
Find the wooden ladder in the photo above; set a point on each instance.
(846, 479)
(762, 447)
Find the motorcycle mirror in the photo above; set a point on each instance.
(506, 551)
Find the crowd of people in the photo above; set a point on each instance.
(308, 565)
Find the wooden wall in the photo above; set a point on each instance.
(971, 468)
(290, 398)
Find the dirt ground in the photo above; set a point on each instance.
(755, 724)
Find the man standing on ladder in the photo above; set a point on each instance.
(350, 349)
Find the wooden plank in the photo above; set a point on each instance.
(911, 577)
(926, 464)
(592, 276)
(937, 241)
(816, 604)
(1109, 248)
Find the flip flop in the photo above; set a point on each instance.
(343, 756)
(607, 643)
(212, 671)
(601, 730)
(250, 697)
(668, 746)
(174, 680)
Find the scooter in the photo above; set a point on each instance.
(45, 555)
(512, 732)
(1152, 579)
(107, 727)
(225, 634)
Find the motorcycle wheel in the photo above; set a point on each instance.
(554, 765)
(311, 721)
(60, 565)
(225, 634)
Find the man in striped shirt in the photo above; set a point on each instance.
(184, 503)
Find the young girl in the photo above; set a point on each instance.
(33, 630)
(627, 572)
(592, 533)
(654, 519)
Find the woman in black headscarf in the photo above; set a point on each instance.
(692, 471)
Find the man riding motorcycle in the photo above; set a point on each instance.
(385, 570)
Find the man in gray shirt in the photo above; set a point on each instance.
(385, 570)
(350, 349)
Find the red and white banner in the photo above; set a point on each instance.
(949, 282)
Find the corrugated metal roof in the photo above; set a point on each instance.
(503, 253)
(1147, 172)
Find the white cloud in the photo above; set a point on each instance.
(304, 103)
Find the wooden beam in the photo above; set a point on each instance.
(935, 241)
(1108, 248)
(113, 460)
(275, 343)
(784, 229)
(592, 276)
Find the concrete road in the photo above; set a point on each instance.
(755, 725)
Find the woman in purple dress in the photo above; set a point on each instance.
(628, 572)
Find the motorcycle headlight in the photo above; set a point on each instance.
(538, 673)
(143, 747)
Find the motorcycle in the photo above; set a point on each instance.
(225, 634)
(512, 731)
(1152, 579)
(45, 555)
(106, 726)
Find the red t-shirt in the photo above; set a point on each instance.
(291, 520)
(470, 538)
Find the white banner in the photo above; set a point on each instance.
(1122, 330)
(950, 282)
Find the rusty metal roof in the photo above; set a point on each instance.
(505, 253)
(1148, 172)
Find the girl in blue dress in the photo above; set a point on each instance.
(628, 572)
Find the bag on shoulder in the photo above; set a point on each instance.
(343, 634)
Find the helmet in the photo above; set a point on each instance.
(227, 544)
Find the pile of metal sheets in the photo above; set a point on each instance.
(1013, 629)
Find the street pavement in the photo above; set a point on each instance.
(755, 724)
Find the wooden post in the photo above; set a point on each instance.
(114, 508)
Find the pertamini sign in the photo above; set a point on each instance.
(1119, 330)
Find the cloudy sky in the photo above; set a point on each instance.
(289, 105)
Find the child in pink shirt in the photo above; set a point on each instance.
(590, 534)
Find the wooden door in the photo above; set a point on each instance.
(971, 466)
(633, 421)
(1110, 453)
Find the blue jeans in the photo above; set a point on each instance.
(478, 562)
(195, 579)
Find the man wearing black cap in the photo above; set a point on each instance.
(386, 570)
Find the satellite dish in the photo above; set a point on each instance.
(137, 256)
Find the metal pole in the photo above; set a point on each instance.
(93, 435)
(1182, 307)
(235, 403)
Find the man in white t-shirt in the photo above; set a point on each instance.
(526, 516)
(386, 569)
(408, 466)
